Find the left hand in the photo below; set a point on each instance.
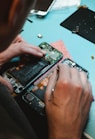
(18, 39)
(18, 47)
(6, 83)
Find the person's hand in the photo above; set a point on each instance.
(19, 47)
(68, 99)
(6, 83)
(18, 39)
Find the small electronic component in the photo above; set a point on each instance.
(52, 54)
(40, 36)
(92, 57)
(76, 30)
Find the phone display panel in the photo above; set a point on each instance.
(30, 69)
(42, 7)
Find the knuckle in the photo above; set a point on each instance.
(78, 88)
(63, 84)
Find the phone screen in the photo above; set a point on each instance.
(42, 5)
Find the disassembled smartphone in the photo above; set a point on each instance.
(30, 69)
(42, 7)
(34, 95)
(71, 63)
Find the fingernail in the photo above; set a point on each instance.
(44, 52)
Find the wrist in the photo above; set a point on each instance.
(2, 59)
(62, 135)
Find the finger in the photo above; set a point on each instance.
(6, 83)
(33, 50)
(83, 77)
(86, 86)
(50, 86)
(76, 81)
(37, 52)
(63, 81)
(88, 96)
(64, 72)
(91, 92)
(78, 86)
(18, 39)
(40, 50)
(75, 75)
(86, 105)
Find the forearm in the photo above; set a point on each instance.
(57, 137)
(7, 54)
(62, 136)
(2, 59)
(57, 132)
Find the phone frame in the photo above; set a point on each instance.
(41, 12)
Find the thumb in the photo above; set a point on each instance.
(6, 83)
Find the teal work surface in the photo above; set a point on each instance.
(81, 50)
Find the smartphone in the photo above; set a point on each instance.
(42, 7)
(73, 64)
(30, 69)
(34, 95)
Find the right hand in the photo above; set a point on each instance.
(67, 108)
